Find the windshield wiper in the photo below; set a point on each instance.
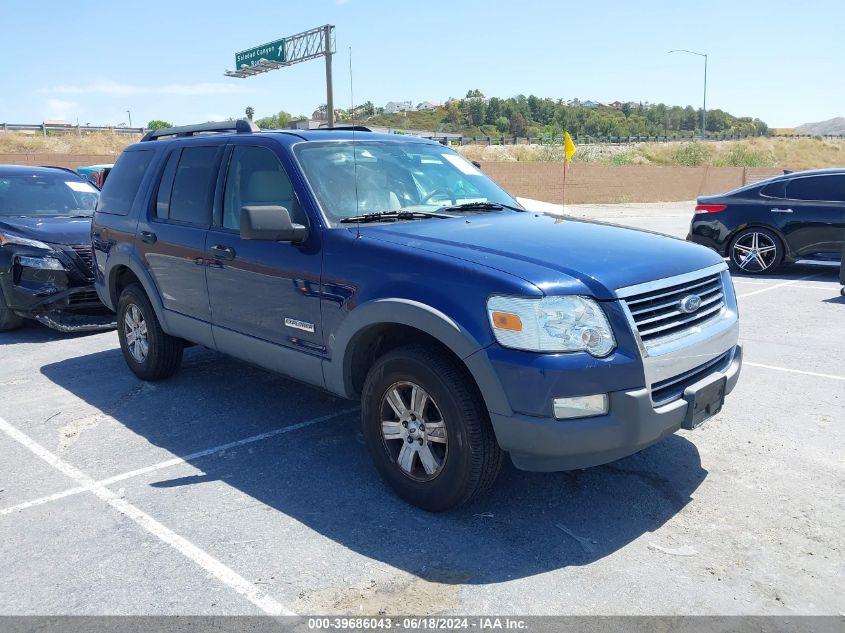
(381, 216)
(480, 206)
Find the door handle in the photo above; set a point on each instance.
(149, 237)
(223, 252)
(781, 210)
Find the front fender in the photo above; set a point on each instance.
(337, 371)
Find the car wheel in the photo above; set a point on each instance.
(8, 319)
(427, 428)
(150, 352)
(756, 251)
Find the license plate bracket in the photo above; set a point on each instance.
(705, 399)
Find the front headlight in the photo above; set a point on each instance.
(551, 324)
(11, 238)
(44, 263)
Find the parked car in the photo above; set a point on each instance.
(45, 250)
(95, 174)
(797, 216)
(389, 269)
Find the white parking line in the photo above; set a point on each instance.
(224, 574)
(173, 462)
(795, 371)
(776, 286)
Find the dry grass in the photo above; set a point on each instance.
(785, 153)
(66, 143)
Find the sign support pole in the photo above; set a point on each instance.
(327, 30)
(563, 194)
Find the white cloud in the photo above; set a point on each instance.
(59, 109)
(120, 89)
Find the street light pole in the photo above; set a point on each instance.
(130, 117)
(704, 107)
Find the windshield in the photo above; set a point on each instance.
(46, 195)
(392, 176)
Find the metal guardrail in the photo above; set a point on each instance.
(67, 128)
(452, 139)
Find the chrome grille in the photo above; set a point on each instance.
(657, 313)
(86, 254)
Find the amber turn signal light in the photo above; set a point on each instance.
(507, 321)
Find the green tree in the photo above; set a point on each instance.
(502, 124)
(519, 124)
(250, 112)
(158, 124)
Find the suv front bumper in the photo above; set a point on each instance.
(632, 423)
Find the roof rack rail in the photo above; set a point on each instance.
(355, 128)
(241, 126)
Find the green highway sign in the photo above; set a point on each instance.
(272, 51)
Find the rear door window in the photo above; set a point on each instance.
(817, 188)
(193, 185)
(124, 181)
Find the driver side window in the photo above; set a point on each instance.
(257, 178)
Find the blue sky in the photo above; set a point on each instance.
(92, 61)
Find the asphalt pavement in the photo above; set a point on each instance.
(231, 490)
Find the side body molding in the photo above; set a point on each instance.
(337, 371)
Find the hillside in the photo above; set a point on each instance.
(478, 115)
(831, 126)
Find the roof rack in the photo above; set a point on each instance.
(241, 126)
(355, 128)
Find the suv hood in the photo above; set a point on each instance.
(56, 230)
(558, 254)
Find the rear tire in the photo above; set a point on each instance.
(150, 352)
(8, 320)
(756, 251)
(452, 461)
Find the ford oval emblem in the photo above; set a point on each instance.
(689, 303)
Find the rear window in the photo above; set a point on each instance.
(122, 184)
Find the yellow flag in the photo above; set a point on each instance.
(568, 147)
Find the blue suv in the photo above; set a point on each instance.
(389, 269)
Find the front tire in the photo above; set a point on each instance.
(427, 428)
(756, 251)
(150, 352)
(8, 320)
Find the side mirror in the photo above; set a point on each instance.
(272, 224)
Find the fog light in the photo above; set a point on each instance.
(580, 406)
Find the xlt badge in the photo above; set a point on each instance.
(299, 325)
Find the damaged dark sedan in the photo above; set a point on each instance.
(45, 250)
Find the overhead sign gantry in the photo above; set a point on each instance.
(318, 42)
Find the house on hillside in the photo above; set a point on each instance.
(427, 106)
(590, 104)
(392, 107)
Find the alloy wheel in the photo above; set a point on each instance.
(755, 252)
(413, 431)
(135, 330)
